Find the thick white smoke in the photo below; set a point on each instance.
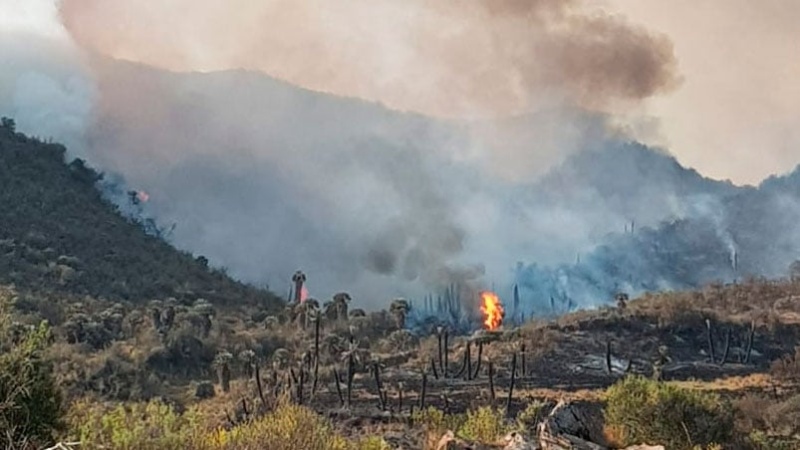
(46, 88)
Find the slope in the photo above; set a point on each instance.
(58, 235)
(690, 231)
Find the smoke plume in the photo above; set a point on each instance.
(445, 58)
(254, 128)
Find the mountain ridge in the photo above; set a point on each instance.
(59, 235)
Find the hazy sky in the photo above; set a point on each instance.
(737, 112)
(733, 116)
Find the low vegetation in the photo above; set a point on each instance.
(642, 410)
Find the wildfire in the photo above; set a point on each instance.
(492, 309)
(143, 196)
(303, 294)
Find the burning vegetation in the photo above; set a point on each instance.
(492, 309)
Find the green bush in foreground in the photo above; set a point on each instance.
(31, 405)
(156, 426)
(644, 410)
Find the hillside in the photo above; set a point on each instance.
(263, 177)
(58, 235)
(683, 231)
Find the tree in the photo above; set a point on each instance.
(31, 404)
(306, 312)
(338, 307)
(222, 362)
(280, 359)
(622, 300)
(794, 271)
(399, 310)
(9, 124)
(298, 279)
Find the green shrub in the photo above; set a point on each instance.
(485, 424)
(156, 426)
(152, 425)
(434, 422)
(31, 405)
(534, 413)
(643, 410)
(759, 440)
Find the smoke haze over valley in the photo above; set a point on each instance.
(490, 144)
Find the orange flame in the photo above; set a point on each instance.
(303, 294)
(143, 196)
(492, 309)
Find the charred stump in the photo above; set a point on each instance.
(511, 387)
(478, 363)
(338, 380)
(491, 380)
(423, 391)
(710, 333)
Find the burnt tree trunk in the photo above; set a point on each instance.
(710, 329)
(381, 399)
(350, 364)
(513, 379)
(300, 385)
(400, 400)
(423, 391)
(726, 348)
(433, 368)
(750, 342)
(316, 355)
(464, 363)
(491, 380)
(260, 386)
(478, 364)
(469, 362)
(338, 381)
(441, 357)
(445, 361)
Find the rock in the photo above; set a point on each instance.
(204, 390)
(515, 441)
(580, 420)
(450, 442)
(549, 441)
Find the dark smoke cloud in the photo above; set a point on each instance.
(444, 58)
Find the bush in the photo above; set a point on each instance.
(31, 405)
(643, 410)
(788, 367)
(534, 413)
(485, 424)
(435, 423)
(758, 440)
(156, 426)
(152, 425)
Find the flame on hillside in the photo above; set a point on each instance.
(303, 294)
(142, 196)
(492, 309)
